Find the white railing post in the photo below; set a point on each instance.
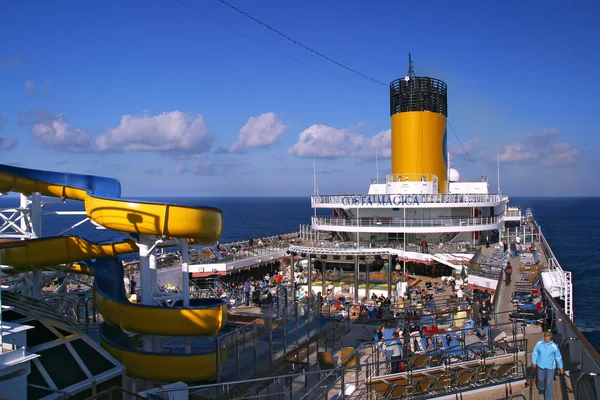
(185, 274)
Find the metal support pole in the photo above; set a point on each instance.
(146, 289)
(270, 340)
(1, 341)
(218, 358)
(356, 279)
(145, 280)
(185, 274)
(36, 227)
(292, 280)
(153, 271)
(310, 292)
(367, 280)
(389, 276)
(324, 280)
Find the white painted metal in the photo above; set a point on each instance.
(153, 271)
(185, 274)
(407, 225)
(425, 201)
(568, 295)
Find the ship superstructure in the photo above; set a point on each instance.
(423, 212)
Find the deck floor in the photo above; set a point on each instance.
(563, 385)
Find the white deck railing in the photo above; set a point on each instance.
(406, 223)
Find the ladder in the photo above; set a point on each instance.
(568, 291)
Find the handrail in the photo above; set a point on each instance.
(119, 389)
(57, 391)
(443, 222)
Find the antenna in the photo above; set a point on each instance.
(315, 187)
(498, 162)
(377, 165)
(448, 175)
(411, 71)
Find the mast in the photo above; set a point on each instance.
(315, 187)
(376, 166)
(498, 163)
(411, 71)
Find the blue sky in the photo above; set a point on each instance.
(175, 104)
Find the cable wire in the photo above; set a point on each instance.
(283, 35)
(463, 147)
(269, 47)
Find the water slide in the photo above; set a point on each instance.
(103, 205)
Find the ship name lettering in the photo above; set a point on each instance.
(380, 200)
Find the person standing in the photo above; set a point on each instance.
(546, 358)
(395, 346)
(508, 271)
(247, 287)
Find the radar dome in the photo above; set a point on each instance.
(454, 175)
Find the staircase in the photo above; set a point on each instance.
(448, 237)
(344, 236)
(36, 308)
(568, 295)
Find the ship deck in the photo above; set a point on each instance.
(563, 385)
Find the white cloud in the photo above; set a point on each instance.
(473, 146)
(515, 152)
(30, 86)
(56, 133)
(261, 131)
(173, 132)
(328, 142)
(541, 145)
(200, 167)
(7, 143)
(562, 153)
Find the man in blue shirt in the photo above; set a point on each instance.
(546, 358)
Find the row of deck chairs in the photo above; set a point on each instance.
(459, 377)
(497, 258)
(449, 349)
(527, 310)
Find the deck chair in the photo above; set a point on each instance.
(418, 362)
(423, 384)
(400, 390)
(502, 371)
(326, 362)
(464, 377)
(381, 387)
(485, 371)
(348, 359)
(443, 384)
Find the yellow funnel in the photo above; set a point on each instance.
(418, 109)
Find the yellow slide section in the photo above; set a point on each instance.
(37, 254)
(103, 205)
(203, 224)
(197, 320)
(160, 367)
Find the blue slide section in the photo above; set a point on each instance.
(98, 185)
(108, 278)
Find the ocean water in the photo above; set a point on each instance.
(571, 226)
